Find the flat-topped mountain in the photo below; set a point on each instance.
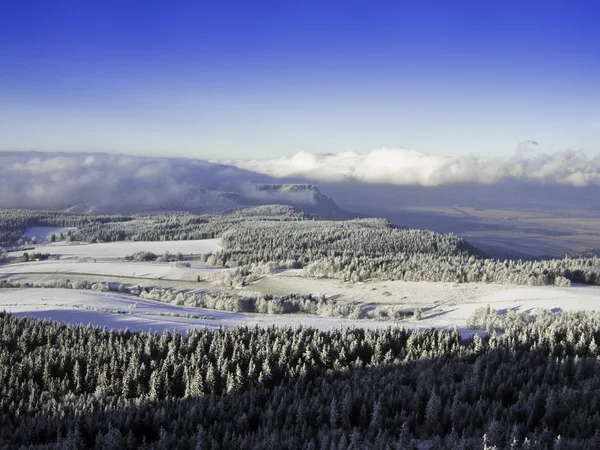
(306, 197)
(107, 184)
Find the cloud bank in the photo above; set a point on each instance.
(400, 166)
(117, 183)
(112, 182)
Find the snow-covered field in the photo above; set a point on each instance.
(407, 293)
(145, 270)
(118, 311)
(443, 304)
(113, 250)
(519, 299)
(105, 259)
(123, 311)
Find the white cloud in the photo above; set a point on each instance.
(401, 166)
(109, 182)
(127, 183)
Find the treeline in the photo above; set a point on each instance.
(536, 387)
(156, 227)
(223, 301)
(459, 269)
(15, 222)
(360, 250)
(491, 320)
(308, 241)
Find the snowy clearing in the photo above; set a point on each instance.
(522, 299)
(407, 293)
(120, 311)
(151, 270)
(121, 249)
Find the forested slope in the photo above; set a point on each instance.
(299, 388)
(153, 227)
(312, 240)
(359, 250)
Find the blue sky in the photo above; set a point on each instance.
(227, 79)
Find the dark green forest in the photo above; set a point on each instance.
(535, 387)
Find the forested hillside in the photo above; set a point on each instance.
(282, 237)
(155, 227)
(535, 387)
(313, 240)
(359, 250)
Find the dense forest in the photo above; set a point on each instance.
(308, 241)
(534, 387)
(360, 250)
(154, 227)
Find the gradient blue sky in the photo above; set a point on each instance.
(248, 79)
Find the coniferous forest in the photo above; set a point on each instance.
(536, 386)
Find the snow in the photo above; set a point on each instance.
(455, 300)
(103, 259)
(146, 270)
(108, 250)
(525, 299)
(133, 313)
(136, 314)
(42, 234)
(407, 293)
(444, 305)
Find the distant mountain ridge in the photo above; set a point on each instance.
(305, 197)
(107, 183)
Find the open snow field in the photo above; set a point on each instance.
(377, 293)
(120, 311)
(113, 250)
(444, 305)
(519, 299)
(105, 259)
(144, 270)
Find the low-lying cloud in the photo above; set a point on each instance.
(400, 166)
(117, 183)
(109, 182)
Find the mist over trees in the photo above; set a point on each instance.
(129, 183)
(72, 181)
